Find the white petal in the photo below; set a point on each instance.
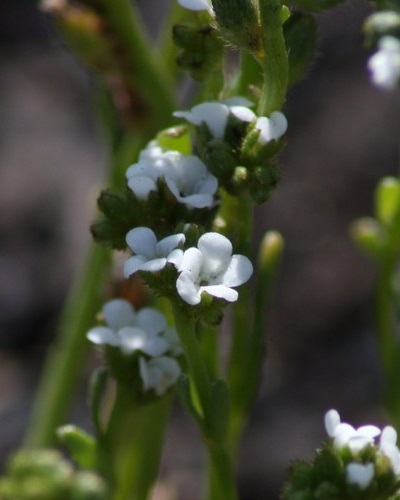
(142, 241)
(118, 313)
(332, 420)
(151, 321)
(159, 373)
(131, 339)
(154, 265)
(166, 245)
(171, 336)
(360, 474)
(156, 346)
(242, 113)
(209, 185)
(393, 454)
(369, 431)
(101, 335)
(216, 251)
(388, 435)
(358, 443)
(133, 264)
(221, 292)
(271, 128)
(239, 271)
(175, 257)
(187, 289)
(194, 4)
(213, 114)
(197, 200)
(343, 433)
(141, 186)
(191, 262)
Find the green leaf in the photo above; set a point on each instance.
(218, 411)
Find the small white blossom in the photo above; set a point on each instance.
(151, 255)
(159, 374)
(360, 474)
(271, 128)
(212, 268)
(388, 447)
(384, 65)
(215, 114)
(196, 5)
(131, 331)
(344, 434)
(186, 176)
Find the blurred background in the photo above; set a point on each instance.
(343, 136)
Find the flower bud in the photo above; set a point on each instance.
(387, 200)
(384, 23)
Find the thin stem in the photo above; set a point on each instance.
(62, 370)
(142, 68)
(186, 329)
(274, 60)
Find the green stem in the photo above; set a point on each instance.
(186, 328)
(274, 60)
(242, 211)
(142, 68)
(62, 370)
(134, 430)
(221, 481)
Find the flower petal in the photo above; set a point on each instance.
(118, 313)
(142, 241)
(388, 435)
(359, 474)
(221, 292)
(188, 289)
(101, 335)
(154, 265)
(238, 271)
(238, 101)
(195, 4)
(242, 113)
(191, 262)
(213, 114)
(165, 246)
(133, 264)
(151, 321)
(141, 186)
(216, 251)
(332, 420)
(175, 257)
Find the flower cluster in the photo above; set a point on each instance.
(208, 268)
(146, 334)
(359, 463)
(344, 435)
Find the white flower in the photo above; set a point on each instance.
(344, 434)
(384, 65)
(131, 331)
(186, 176)
(212, 268)
(195, 5)
(271, 128)
(388, 447)
(215, 114)
(360, 474)
(151, 255)
(159, 373)
(190, 182)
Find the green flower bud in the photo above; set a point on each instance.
(218, 157)
(262, 182)
(370, 236)
(387, 200)
(300, 32)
